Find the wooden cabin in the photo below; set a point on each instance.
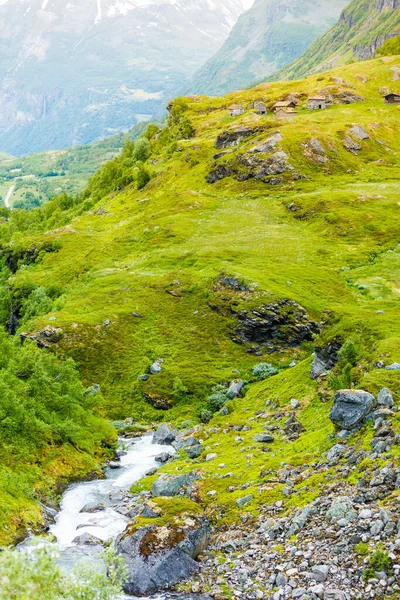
(392, 99)
(284, 105)
(235, 110)
(285, 113)
(260, 108)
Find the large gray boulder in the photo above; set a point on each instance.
(235, 389)
(181, 442)
(160, 557)
(165, 435)
(172, 485)
(351, 408)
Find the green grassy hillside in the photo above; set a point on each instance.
(322, 234)
(362, 28)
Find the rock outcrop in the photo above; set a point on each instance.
(158, 557)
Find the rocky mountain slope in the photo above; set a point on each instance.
(193, 282)
(74, 72)
(362, 28)
(268, 36)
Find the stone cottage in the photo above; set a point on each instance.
(317, 102)
(285, 112)
(284, 105)
(235, 110)
(260, 108)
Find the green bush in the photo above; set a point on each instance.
(36, 575)
(216, 401)
(38, 303)
(264, 371)
(206, 416)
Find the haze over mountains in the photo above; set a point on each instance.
(74, 72)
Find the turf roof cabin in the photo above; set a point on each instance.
(285, 104)
(392, 99)
(235, 110)
(285, 113)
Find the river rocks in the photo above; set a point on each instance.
(351, 408)
(263, 438)
(233, 137)
(281, 324)
(160, 557)
(325, 359)
(92, 508)
(235, 389)
(113, 464)
(86, 539)
(173, 485)
(163, 457)
(165, 435)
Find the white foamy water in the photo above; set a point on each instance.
(107, 524)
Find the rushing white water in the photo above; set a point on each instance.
(107, 524)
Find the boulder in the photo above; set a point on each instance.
(172, 485)
(359, 132)
(263, 438)
(163, 556)
(86, 539)
(92, 508)
(334, 594)
(245, 500)
(335, 453)
(235, 389)
(181, 442)
(219, 173)
(156, 367)
(341, 508)
(194, 451)
(163, 457)
(385, 398)
(320, 573)
(325, 359)
(393, 367)
(165, 435)
(351, 408)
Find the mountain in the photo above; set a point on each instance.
(362, 28)
(268, 36)
(238, 278)
(75, 72)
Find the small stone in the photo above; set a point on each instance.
(294, 403)
(320, 573)
(263, 438)
(156, 367)
(385, 398)
(393, 367)
(365, 514)
(245, 500)
(210, 457)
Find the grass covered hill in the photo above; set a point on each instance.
(300, 240)
(361, 30)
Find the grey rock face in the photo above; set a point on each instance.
(165, 435)
(325, 359)
(351, 408)
(359, 132)
(169, 485)
(269, 144)
(157, 558)
(181, 442)
(385, 398)
(234, 137)
(235, 389)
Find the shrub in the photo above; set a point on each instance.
(361, 549)
(36, 575)
(216, 401)
(350, 352)
(142, 150)
(38, 303)
(206, 416)
(264, 371)
(142, 178)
